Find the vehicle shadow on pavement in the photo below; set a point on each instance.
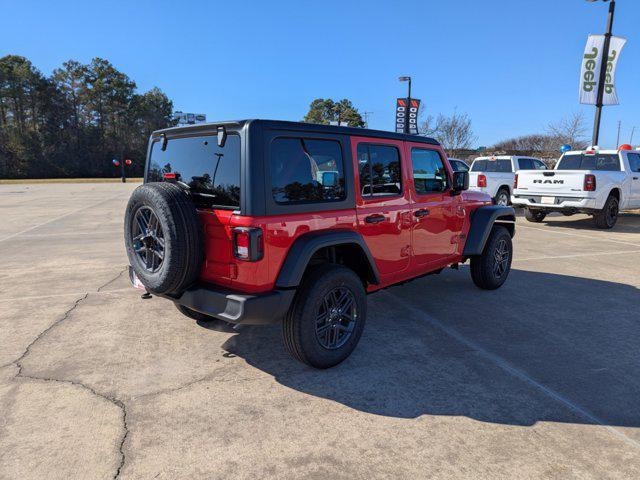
(627, 223)
(545, 347)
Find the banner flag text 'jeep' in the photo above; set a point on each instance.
(590, 71)
(407, 115)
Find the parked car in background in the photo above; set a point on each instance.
(256, 221)
(458, 165)
(495, 175)
(593, 181)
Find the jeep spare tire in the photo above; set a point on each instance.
(163, 238)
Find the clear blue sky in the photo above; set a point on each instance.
(512, 65)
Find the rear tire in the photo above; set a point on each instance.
(491, 269)
(502, 197)
(608, 216)
(327, 318)
(535, 216)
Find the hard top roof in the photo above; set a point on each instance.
(299, 127)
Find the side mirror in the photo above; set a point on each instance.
(222, 136)
(460, 182)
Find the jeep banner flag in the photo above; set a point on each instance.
(590, 72)
(407, 115)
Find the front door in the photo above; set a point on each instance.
(436, 222)
(382, 203)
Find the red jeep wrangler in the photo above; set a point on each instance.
(259, 221)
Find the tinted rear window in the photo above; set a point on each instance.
(604, 162)
(379, 170)
(306, 170)
(501, 166)
(211, 172)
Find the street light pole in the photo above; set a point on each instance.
(603, 73)
(406, 120)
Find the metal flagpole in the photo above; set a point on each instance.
(603, 73)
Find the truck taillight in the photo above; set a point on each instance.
(589, 183)
(515, 182)
(482, 180)
(247, 243)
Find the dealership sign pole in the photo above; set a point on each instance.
(597, 78)
(407, 112)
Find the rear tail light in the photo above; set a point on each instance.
(515, 182)
(247, 243)
(482, 181)
(589, 183)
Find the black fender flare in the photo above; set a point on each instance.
(482, 221)
(305, 246)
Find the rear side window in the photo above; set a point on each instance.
(634, 161)
(306, 170)
(538, 165)
(525, 164)
(493, 166)
(379, 170)
(211, 173)
(429, 173)
(479, 166)
(604, 162)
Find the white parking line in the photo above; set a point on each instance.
(590, 237)
(596, 254)
(55, 219)
(506, 366)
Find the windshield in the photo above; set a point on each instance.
(459, 166)
(491, 166)
(605, 162)
(212, 173)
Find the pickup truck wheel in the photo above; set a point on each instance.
(327, 318)
(535, 216)
(490, 270)
(608, 216)
(163, 237)
(502, 197)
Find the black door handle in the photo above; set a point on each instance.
(374, 218)
(423, 212)
(635, 178)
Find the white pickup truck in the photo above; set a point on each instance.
(495, 175)
(597, 182)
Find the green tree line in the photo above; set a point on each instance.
(75, 121)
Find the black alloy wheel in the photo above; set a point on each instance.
(148, 239)
(336, 319)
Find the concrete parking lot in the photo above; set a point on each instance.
(540, 379)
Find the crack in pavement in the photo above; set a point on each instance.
(112, 280)
(111, 399)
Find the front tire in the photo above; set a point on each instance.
(491, 269)
(534, 216)
(608, 216)
(327, 318)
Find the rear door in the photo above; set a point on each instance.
(634, 166)
(436, 224)
(382, 203)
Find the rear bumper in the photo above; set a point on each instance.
(230, 306)
(561, 202)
